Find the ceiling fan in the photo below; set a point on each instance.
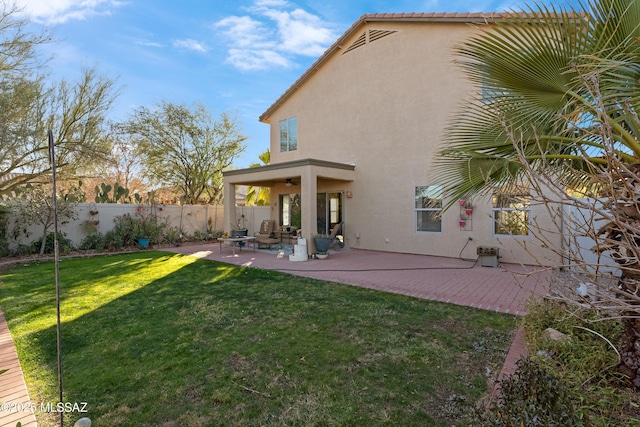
(289, 182)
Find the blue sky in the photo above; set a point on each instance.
(233, 56)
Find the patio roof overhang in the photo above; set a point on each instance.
(307, 173)
(271, 175)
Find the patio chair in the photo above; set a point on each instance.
(336, 243)
(266, 236)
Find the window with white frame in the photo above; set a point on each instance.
(289, 134)
(428, 206)
(511, 210)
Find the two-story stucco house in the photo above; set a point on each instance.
(352, 141)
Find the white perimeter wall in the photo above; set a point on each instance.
(579, 222)
(188, 218)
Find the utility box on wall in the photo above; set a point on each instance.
(488, 256)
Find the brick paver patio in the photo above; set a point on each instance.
(504, 289)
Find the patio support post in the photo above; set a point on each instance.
(309, 202)
(229, 206)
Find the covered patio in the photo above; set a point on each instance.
(306, 176)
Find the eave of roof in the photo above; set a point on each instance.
(291, 164)
(477, 17)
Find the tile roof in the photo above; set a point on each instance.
(475, 17)
(462, 16)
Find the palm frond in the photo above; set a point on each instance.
(548, 82)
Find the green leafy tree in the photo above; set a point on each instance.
(75, 112)
(259, 196)
(124, 165)
(36, 208)
(558, 97)
(16, 44)
(185, 148)
(29, 107)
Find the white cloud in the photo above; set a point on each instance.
(252, 59)
(190, 44)
(271, 3)
(301, 32)
(273, 35)
(245, 32)
(148, 43)
(60, 11)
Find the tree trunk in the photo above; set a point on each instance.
(44, 240)
(622, 234)
(630, 351)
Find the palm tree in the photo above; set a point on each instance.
(558, 94)
(260, 196)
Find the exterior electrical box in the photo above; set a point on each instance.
(488, 255)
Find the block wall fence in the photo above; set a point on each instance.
(187, 218)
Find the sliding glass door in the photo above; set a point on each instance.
(330, 211)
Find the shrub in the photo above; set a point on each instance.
(586, 363)
(64, 244)
(4, 230)
(571, 382)
(171, 235)
(22, 250)
(4, 237)
(530, 397)
(113, 240)
(199, 235)
(94, 241)
(127, 229)
(583, 356)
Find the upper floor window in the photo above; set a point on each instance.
(428, 206)
(511, 209)
(289, 134)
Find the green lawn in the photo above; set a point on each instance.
(157, 339)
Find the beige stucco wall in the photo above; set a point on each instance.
(383, 107)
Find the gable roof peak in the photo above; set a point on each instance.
(463, 17)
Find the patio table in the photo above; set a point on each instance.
(289, 235)
(239, 240)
